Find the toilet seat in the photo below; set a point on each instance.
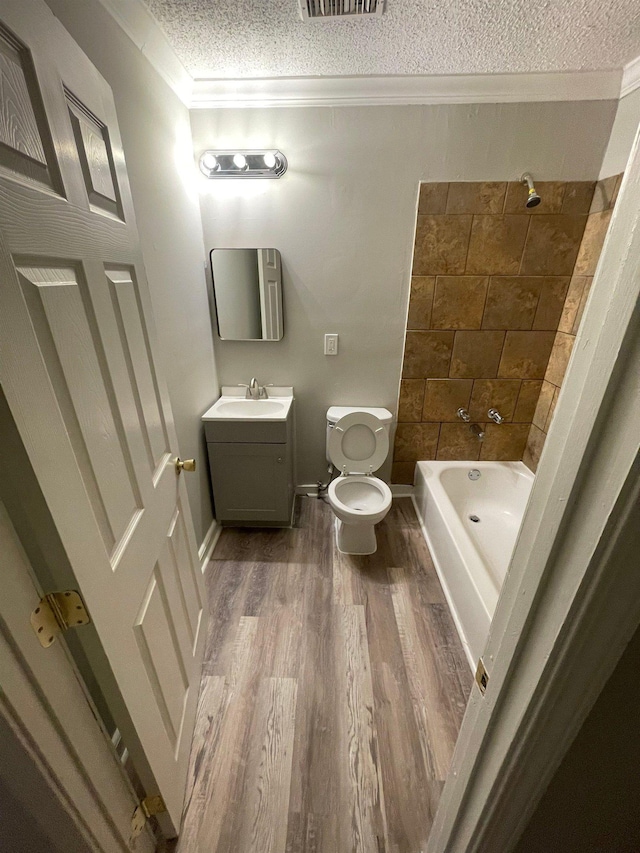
(359, 499)
(358, 444)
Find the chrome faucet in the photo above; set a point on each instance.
(464, 415)
(495, 416)
(254, 391)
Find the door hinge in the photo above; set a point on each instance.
(144, 810)
(482, 676)
(56, 613)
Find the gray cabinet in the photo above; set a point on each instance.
(252, 472)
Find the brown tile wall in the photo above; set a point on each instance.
(604, 199)
(490, 282)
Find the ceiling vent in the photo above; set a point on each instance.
(324, 10)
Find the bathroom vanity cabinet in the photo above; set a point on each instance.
(251, 464)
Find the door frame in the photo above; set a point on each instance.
(571, 599)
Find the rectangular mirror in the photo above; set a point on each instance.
(247, 288)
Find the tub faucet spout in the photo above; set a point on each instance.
(477, 430)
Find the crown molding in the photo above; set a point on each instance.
(630, 77)
(414, 89)
(143, 30)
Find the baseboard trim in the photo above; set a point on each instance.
(401, 490)
(208, 544)
(307, 490)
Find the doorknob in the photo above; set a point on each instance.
(184, 464)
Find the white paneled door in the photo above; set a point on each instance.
(44, 706)
(79, 370)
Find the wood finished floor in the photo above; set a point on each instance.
(332, 693)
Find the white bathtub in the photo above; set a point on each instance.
(471, 557)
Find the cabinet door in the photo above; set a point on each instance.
(251, 482)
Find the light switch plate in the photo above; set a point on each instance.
(331, 344)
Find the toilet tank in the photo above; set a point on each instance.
(336, 412)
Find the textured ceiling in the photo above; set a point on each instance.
(267, 38)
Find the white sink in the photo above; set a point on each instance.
(234, 406)
(251, 408)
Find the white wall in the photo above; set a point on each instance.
(157, 145)
(343, 217)
(623, 134)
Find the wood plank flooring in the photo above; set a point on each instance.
(332, 693)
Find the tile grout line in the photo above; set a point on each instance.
(524, 245)
(486, 299)
(564, 195)
(515, 408)
(446, 201)
(438, 440)
(466, 257)
(504, 343)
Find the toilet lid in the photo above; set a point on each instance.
(358, 443)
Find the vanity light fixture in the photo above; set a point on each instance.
(209, 161)
(269, 163)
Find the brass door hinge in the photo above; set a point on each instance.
(144, 810)
(56, 613)
(482, 676)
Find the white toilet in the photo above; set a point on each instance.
(358, 444)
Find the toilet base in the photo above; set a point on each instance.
(357, 539)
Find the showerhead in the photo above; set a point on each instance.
(533, 199)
